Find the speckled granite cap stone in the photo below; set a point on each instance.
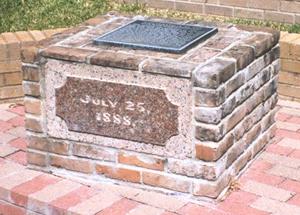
(182, 123)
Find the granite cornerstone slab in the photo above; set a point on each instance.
(184, 123)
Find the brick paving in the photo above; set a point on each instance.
(270, 186)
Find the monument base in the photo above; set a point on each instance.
(179, 123)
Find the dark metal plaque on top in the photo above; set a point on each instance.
(116, 110)
(160, 36)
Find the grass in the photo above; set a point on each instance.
(17, 15)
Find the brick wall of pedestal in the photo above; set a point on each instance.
(273, 10)
(289, 77)
(10, 62)
(234, 107)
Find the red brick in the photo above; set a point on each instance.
(17, 121)
(121, 207)
(145, 161)
(262, 177)
(160, 180)
(71, 164)
(34, 124)
(206, 153)
(193, 209)
(13, 45)
(168, 213)
(237, 203)
(43, 144)
(239, 209)
(280, 150)
(4, 126)
(29, 54)
(290, 185)
(10, 37)
(6, 150)
(72, 199)
(19, 157)
(19, 109)
(25, 38)
(20, 193)
(67, 53)
(40, 200)
(294, 119)
(36, 159)
(261, 165)
(282, 117)
(3, 50)
(119, 173)
(295, 154)
(288, 134)
(19, 143)
(9, 209)
(37, 35)
(32, 105)
(241, 197)
(295, 200)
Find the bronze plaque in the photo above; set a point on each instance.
(117, 110)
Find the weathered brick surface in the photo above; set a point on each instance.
(31, 73)
(119, 173)
(146, 161)
(42, 144)
(31, 88)
(10, 79)
(37, 159)
(94, 152)
(70, 54)
(32, 105)
(34, 123)
(243, 54)
(168, 67)
(166, 181)
(110, 59)
(11, 92)
(77, 165)
(214, 73)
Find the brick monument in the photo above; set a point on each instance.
(179, 123)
